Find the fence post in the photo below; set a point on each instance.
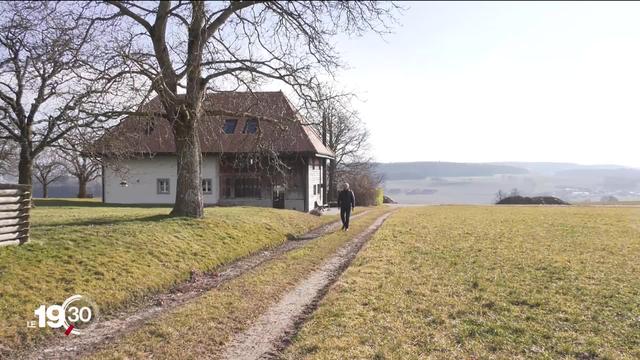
(15, 205)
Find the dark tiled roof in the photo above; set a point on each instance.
(280, 128)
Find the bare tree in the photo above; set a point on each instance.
(45, 92)
(48, 168)
(183, 49)
(84, 168)
(344, 133)
(501, 195)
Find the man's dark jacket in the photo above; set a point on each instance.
(346, 199)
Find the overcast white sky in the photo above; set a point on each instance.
(483, 82)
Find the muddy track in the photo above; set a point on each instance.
(127, 321)
(272, 332)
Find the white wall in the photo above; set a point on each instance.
(142, 174)
(315, 178)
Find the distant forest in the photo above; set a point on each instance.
(423, 169)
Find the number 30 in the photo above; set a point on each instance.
(84, 314)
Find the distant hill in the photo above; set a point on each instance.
(552, 168)
(472, 183)
(424, 169)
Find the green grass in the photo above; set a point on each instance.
(470, 282)
(202, 328)
(117, 255)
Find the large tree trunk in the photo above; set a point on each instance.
(82, 188)
(189, 201)
(25, 168)
(45, 190)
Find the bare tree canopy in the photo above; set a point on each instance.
(347, 134)
(180, 50)
(47, 169)
(45, 90)
(78, 164)
(344, 132)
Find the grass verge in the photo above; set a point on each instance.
(201, 328)
(486, 283)
(116, 255)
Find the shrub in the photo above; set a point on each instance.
(379, 196)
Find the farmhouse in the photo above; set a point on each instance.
(256, 150)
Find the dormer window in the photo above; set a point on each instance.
(230, 126)
(250, 126)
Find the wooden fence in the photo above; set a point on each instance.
(15, 203)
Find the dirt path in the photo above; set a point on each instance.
(120, 324)
(271, 332)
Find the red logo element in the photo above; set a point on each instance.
(69, 330)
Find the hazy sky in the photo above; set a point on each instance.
(502, 82)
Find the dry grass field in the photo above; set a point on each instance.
(487, 282)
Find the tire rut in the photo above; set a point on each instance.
(271, 333)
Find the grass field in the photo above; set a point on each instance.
(467, 282)
(117, 255)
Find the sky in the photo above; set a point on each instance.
(483, 82)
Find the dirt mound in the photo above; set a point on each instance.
(535, 200)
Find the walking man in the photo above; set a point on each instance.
(347, 202)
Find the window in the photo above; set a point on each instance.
(250, 126)
(230, 126)
(241, 187)
(247, 187)
(163, 186)
(206, 186)
(314, 190)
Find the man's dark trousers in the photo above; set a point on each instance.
(345, 214)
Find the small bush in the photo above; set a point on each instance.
(379, 196)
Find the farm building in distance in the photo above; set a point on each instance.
(266, 157)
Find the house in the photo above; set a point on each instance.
(266, 157)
